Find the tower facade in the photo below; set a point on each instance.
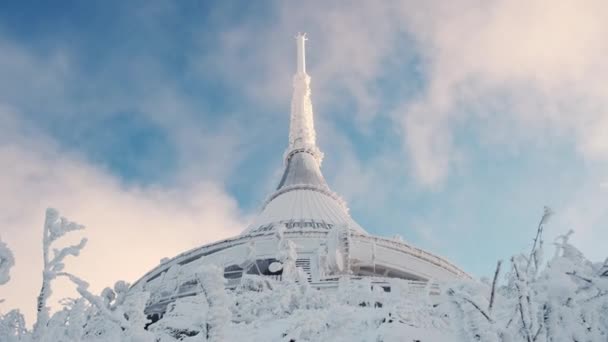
(302, 225)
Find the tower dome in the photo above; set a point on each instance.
(304, 214)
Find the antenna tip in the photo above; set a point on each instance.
(301, 35)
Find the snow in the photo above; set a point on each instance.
(304, 204)
(564, 300)
(568, 302)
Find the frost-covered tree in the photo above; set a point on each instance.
(12, 324)
(336, 256)
(7, 261)
(54, 228)
(115, 315)
(13, 328)
(287, 255)
(211, 279)
(567, 300)
(118, 313)
(562, 300)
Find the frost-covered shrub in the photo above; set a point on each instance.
(203, 317)
(565, 299)
(13, 328)
(7, 261)
(12, 325)
(259, 296)
(186, 317)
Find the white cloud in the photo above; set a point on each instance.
(129, 228)
(524, 73)
(535, 68)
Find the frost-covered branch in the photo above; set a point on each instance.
(522, 293)
(465, 298)
(494, 282)
(538, 240)
(603, 272)
(60, 254)
(82, 288)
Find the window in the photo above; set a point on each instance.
(260, 267)
(233, 272)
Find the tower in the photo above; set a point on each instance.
(306, 216)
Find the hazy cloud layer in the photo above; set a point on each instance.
(129, 227)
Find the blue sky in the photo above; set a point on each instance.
(451, 125)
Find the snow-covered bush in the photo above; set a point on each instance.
(186, 317)
(7, 260)
(567, 300)
(13, 328)
(203, 317)
(12, 325)
(564, 299)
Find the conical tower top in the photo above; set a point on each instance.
(302, 194)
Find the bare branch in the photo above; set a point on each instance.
(547, 213)
(520, 305)
(493, 293)
(537, 332)
(573, 273)
(452, 293)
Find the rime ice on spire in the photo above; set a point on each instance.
(301, 41)
(302, 136)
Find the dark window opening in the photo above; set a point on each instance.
(233, 272)
(259, 267)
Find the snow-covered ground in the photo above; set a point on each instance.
(265, 310)
(563, 299)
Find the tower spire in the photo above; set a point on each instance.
(301, 41)
(302, 135)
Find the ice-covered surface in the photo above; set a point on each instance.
(302, 133)
(264, 310)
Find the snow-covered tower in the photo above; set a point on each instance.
(302, 214)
